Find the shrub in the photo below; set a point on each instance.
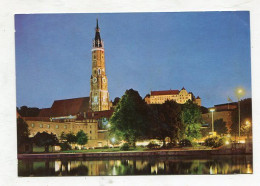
(125, 147)
(152, 145)
(171, 145)
(65, 146)
(214, 142)
(185, 143)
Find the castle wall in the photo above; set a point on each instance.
(90, 127)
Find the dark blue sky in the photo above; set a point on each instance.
(206, 52)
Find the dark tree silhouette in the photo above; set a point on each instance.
(45, 140)
(22, 132)
(82, 138)
(165, 121)
(220, 127)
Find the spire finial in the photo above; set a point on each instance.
(97, 24)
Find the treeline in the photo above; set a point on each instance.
(134, 120)
(25, 111)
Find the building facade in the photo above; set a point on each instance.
(222, 111)
(99, 96)
(71, 115)
(181, 97)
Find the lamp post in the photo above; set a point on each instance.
(212, 110)
(240, 92)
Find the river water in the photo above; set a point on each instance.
(167, 165)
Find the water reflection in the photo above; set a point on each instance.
(136, 166)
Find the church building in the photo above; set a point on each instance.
(85, 113)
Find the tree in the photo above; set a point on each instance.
(71, 138)
(165, 121)
(22, 132)
(82, 138)
(245, 115)
(220, 127)
(116, 101)
(63, 136)
(129, 121)
(25, 111)
(192, 119)
(45, 140)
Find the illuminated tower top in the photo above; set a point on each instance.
(97, 42)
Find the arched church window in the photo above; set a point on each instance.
(99, 71)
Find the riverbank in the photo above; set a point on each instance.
(208, 152)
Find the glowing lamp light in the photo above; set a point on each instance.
(212, 110)
(227, 142)
(113, 140)
(240, 92)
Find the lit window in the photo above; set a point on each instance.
(65, 126)
(32, 125)
(48, 126)
(57, 126)
(40, 125)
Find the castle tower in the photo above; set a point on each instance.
(99, 96)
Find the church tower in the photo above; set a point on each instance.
(99, 96)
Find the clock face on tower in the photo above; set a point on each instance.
(94, 80)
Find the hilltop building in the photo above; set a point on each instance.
(181, 97)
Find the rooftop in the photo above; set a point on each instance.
(164, 92)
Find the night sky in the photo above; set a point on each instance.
(206, 52)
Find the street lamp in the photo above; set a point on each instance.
(240, 92)
(212, 110)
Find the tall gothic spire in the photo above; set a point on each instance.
(98, 42)
(97, 25)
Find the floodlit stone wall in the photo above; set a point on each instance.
(90, 127)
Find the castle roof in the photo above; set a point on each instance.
(45, 112)
(100, 114)
(68, 107)
(164, 92)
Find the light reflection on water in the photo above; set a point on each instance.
(229, 164)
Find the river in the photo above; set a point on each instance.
(166, 165)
